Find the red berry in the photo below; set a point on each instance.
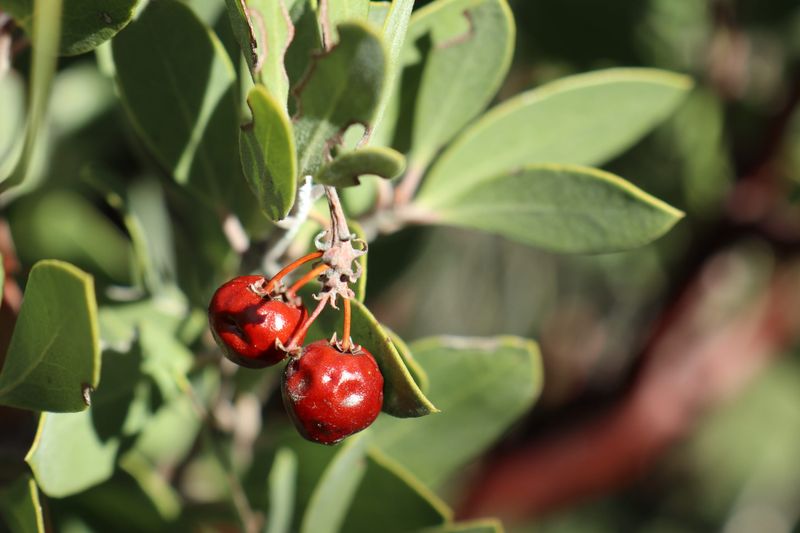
(246, 323)
(330, 395)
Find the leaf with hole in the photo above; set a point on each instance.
(345, 170)
(53, 360)
(268, 155)
(342, 88)
(456, 54)
(264, 29)
(585, 119)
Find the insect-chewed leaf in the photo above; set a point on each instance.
(564, 208)
(456, 54)
(585, 120)
(345, 170)
(268, 154)
(264, 29)
(53, 360)
(342, 88)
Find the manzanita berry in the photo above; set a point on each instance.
(330, 394)
(246, 322)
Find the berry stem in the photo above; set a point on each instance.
(303, 329)
(346, 326)
(289, 268)
(311, 274)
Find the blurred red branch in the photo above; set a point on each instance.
(687, 369)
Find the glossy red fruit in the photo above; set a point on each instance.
(329, 394)
(246, 324)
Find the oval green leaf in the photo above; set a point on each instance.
(264, 29)
(267, 150)
(482, 387)
(345, 170)
(184, 106)
(326, 105)
(53, 361)
(390, 496)
(401, 395)
(417, 372)
(456, 54)
(563, 208)
(68, 456)
(20, 506)
(45, 31)
(282, 480)
(584, 120)
(85, 24)
(334, 493)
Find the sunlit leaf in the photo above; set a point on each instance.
(563, 208)
(53, 361)
(585, 119)
(481, 385)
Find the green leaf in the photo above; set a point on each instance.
(282, 478)
(67, 456)
(59, 224)
(53, 361)
(332, 496)
(456, 54)
(487, 525)
(46, 28)
(360, 288)
(414, 368)
(306, 43)
(390, 496)
(264, 29)
(12, 121)
(149, 224)
(268, 154)
(378, 12)
(562, 208)
(332, 13)
(482, 387)
(85, 24)
(183, 106)
(401, 395)
(342, 88)
(345, 170)
(20, 507)
(393, 18)
(584, 120)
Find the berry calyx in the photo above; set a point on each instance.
(331, 394)
(250, 324)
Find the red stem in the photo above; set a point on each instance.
(289, 268)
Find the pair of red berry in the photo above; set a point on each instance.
(330, 391)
